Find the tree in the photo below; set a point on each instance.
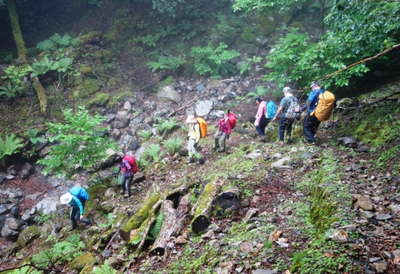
(22, 51)
(79, 143)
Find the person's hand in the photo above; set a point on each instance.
(255, 124)
(81, 218)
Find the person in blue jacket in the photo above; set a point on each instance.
(76, 197)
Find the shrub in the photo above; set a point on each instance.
(14, 80)
(167, 126)
(56, 41)
(9, 145)
(152, 153)
(214, 61)
(173, 145)
(166, 63)
(79, 143)
(47, 64)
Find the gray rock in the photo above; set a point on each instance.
(250, 213)
(282, 163)
(254, 154)
(110, 192)
(47, 205)
(383, 217)
(200, 87)
(127, 106)
(380, 267)
(204, 107)
(395, 209)
(129, 143)
(116, 133)
(344, 103)
(169, 93)
(264, 271)
(11, 170)
(3, 209)
(10, 228)
(26, 170)
(348, 141)
(110, 117)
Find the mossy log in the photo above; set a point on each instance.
(16, 30)
(202, 209)
(174, 220)
(40, 93)
(139, 217)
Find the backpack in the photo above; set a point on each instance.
(132, 162)
(232, 119)
(79, 193)
(271, 110)
(294, 109)
(326, 103)
(203, 127)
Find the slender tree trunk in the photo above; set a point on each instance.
(22, 52)
(16, 30)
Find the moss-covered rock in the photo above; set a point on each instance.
(86, 88)
(89, 37)
(95, 192)
(28, 235)
(100, 99)
(85, 69)
(82, 261)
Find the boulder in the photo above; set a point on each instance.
(10, 228)
(169, 93)
(47, 205)
(204, 107)
(28, 235)
(363, 202)
(348, 141)
(129, 143)
(82, 260)
(26, 170)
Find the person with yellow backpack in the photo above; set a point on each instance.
(197, 128)
(320, 104)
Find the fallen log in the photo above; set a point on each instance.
(201, 211)
(174, 220)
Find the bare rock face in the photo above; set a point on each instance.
(169, 93)
(204, 107)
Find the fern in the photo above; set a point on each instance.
(9, 145)
(104, 269)
(167, 126)
(153, 153)
(168, 63)
(173, 145)
(145, 134)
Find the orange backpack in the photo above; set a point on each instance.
(203, 127)
(326, 103)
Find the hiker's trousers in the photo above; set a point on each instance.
(191, 147)
(220, 140)
(126, 183)
(76, 216)
(262, 125)
(285, 124)
(310, 127)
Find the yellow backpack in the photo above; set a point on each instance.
(326, 103)
(203, 127)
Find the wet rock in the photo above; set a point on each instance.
(204, 107)
(380, 267)
(10, 228)
(26, 170)
(363, 202)
(28, 235)
(169, 93)
(348, 142)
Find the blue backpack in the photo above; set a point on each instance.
(80, 193)
(271, 110)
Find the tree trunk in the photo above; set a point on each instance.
(201, 211)
(40, 93)
(174, 220)
(16, 30)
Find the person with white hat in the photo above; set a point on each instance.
(76, 197)
(193, 136)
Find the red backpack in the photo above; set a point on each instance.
(132, 162)
(232, 119)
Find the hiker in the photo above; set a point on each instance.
(76, 197)
(261, 121)
(288, 111)
(128, 169)
(224, 130)
(193, 136)
(320, 104)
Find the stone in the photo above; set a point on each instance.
(116, 133)
(380, 267)
(110, 192)
(181, 240)
(81, 261)
(250, 213)
(200, 87)
(282, 163)
(395, 209)
(169, 93)
(363, 202)
(344, 103)
(127, 106)
(129, 143)
(383, 217)
(26, 170)
(204, 107)
(28, 235)
(10, 229)
(264, 271)
(246, 247)
(254, 154)
(47, 205)
(275, 235)
(348, 141)
(340, 236)
(3, 209)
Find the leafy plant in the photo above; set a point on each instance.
(152, 153)
(167, 126)
(56, 41)
(173, 145)
(145, 134)
(166, 63)
(46, 64)
(214, 61)
(9, 145)
(260, 91)
(104, 269)
(61, 252)
(42, 218)
(33, 135)
(14, 79)
(80, 143)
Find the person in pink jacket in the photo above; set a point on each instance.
(261, 121)
(224, 127)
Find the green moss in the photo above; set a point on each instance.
(95, 192)
(100, 99)
(86, 88)
(166, 82)
(85, 69)
(82, 261)
(28, 235)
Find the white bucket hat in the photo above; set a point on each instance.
(190, 119)
(66, 198)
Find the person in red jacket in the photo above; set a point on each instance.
(224, 126)
(128, 168)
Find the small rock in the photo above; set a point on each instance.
(180, 240)
(363, 202)
(395, 209)
(380, 267)
(204, 107)
(254, 154)
(110, 192)
(246, 247)
(170, 93)
(348, 142)
(264, 271)
(340, 236)
(250, 213)
(127, 106)
(282, 163)
(26, 170)
(383, 217)
(274, 236)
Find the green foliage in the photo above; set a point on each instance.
(321, 257)
(173, 145)
(167, 126)
(104, 269)
(214, 61)
(25, 269)
(322, 210)
(152, 153)
(156, 227)
(260, 91)
(145, 134)
(56, 41)
(246, 65)
(61, 252)
(46, 64)
(79, 143)
(14, 80)
(34, 137)
(166, 63)
(43, 218)
(256, 5)
(9, 145)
